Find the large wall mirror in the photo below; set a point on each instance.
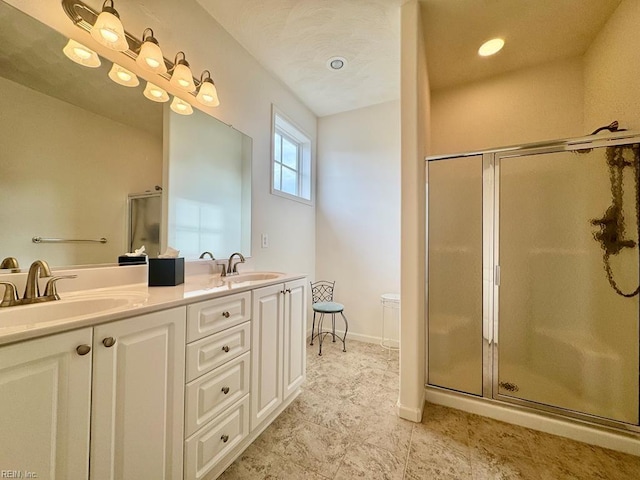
(75, 146)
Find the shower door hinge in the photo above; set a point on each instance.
(496, 276)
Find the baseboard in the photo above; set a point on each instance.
(411, 413)
(554, 425)
(354, 336)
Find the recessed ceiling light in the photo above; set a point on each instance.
(336, 63)
(491, 47)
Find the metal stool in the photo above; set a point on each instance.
(322, 302)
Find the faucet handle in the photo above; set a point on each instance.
(50, 289)
(10, 297)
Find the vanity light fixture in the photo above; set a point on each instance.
(207, 92)
(105, 27)
(182, 77)
(123, 76)
(491, 47)
(180, 106)
(108, 29)
(150, 56)
(155, 93)
(80, 54)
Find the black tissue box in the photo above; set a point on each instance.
(166, 272)
(137, 260)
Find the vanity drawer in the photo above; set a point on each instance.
(213, 316)
(206, 397)
(217, 349)
(207, 447)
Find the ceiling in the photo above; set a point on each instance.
(535, 31)
(293, 39)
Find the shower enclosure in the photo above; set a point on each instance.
(533, 277)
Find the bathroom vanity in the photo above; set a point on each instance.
(149, 383)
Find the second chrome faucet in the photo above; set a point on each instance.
(232, 268)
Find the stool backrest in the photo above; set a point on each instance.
(322, 291)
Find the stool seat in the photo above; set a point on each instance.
(328, 307)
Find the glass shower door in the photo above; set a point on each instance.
(455, 340)
(567, 233)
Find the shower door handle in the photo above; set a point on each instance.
(496, 276)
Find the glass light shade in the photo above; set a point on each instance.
(491, 47)
(182, 77)
(208, 94)
(155, 93)
(123, 76)
(150, 57)
(80, 54)
(108, 30)
(181, 107)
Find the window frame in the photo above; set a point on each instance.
(282, 125)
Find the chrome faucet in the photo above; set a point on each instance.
(38, 269)
(232, 268)
(204, 254)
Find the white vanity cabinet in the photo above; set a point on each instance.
(45, 402)
(218, 389)
(120, 384)
(138, 397)
(177, 394)
(278, 356)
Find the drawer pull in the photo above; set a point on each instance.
(225, 390)
(224, 438)
(226, 314)
(225, 349)
(109, 342)
(83, 349)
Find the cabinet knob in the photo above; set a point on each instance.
(225, 349)
(225, 390)
(83, 349)
(288, 290)
(224, 438)
(226, 314)
(109, 342)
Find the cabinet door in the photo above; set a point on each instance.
(295, 329)
(138, 397)
(45, 402)
(266, 352)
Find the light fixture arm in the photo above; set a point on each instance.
(147, 36)
(110, 9)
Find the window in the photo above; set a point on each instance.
(291, 160)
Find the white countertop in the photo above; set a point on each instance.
(141, 299)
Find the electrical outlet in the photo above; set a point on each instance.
(264, 239)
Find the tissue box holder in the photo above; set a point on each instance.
(166, 272)
(137, 260)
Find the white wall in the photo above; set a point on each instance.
(539, 103)
(358, 211)
(246, 92)
(415, 120)
(612, 71)
(66, 172)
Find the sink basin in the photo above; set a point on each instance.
(69, 307)
(253, 277)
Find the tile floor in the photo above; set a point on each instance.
(343, 426)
